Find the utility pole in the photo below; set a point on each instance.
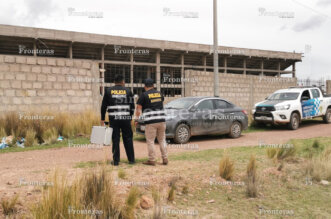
(216, 74)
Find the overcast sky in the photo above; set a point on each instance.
(281, 25)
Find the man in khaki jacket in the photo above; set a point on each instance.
(150, 104)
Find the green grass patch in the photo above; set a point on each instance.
(287, 189)
(309, 147)
(91, 164)
(88, 164)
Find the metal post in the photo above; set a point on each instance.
(131, 71)
(102, 72)
(158, 71)
(183, 76)
(216, 75)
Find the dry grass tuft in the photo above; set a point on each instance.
(226, 168)
(157, 209)
(128, 212)
(271, 153)
(94, 192)
(319, 168)
(172, 193)
(281, 153)
(316, 144)
(9, 206)
(44, 123)
(251, 188)
(50, 136)
(30, 138)
(185, 189)
(121, 174)
(2, 133)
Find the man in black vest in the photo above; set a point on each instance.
(150, 103)
(118, 102)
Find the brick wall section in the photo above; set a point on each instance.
(30, 83)
(242, 90)
(328, 86)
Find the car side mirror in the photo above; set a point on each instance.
(193, 109)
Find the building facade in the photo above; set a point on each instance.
(69, 70)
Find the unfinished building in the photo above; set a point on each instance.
(51, 55)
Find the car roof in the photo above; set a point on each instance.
(199, 98)
(296, 89)
(292, 90)
(203, 97)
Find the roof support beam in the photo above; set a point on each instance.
(195, 66)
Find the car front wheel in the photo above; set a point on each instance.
(182, 134)
(294, 122)
(235, 130)
(327, 116)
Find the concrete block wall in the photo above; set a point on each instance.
(30, 83)
(328, 86)
(242, 90)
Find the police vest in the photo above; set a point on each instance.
(152, 107)
(119, 108)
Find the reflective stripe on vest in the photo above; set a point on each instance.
(154, 115)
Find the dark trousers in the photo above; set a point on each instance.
(123, 126)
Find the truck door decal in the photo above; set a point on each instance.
(311, 108)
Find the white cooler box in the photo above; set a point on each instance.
(101, 135)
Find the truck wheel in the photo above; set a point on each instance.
(327, 116)
(235, 130)
(294, 122)
(182, 134)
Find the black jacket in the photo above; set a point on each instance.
(118, 102)
(152, 106)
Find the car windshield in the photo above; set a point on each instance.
(181, 103)
(284, 96)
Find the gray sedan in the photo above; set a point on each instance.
(192, 116)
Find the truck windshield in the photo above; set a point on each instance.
(284, 96)
(181, 103)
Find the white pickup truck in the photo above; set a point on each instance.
(291, 106)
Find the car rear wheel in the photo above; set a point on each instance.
(294, 122)
(235, 130)
(182, 134)
(327, 116)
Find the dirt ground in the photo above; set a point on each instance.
(32, 166)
